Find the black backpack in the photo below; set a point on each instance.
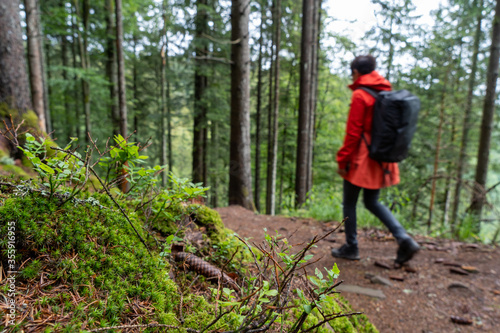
(395, 116)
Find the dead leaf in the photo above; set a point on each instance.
(460, 320)
(470, 269)
(396, 277)
(382, 264)
(458, 270)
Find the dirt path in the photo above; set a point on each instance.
(428, 296)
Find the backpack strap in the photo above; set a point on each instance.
(371, 91)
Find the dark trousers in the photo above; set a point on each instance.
(370, 199)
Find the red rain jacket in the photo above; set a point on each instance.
(353, 156)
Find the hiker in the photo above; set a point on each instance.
(360, 172)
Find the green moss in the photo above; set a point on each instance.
(4, 154)
(96, 252)
(339, 305)
(210, 219)
(30, 119)
(13, 170)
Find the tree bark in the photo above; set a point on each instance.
(467, 120)
(442, 109)
(200, 86)
(14, 87)
(45, 62)
(35, 61)
(169, 116)
(215, 164)
(258, 115)
(67, 113)
(122, 98)
(163, 113)
(273, 144)
(74, 46)
(304, 103)
(135, 91)
(84, 60)
(479, 197)
(314, 93)
(111, 70)
(240, 177)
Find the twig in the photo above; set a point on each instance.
(110, 196)
(143, 326)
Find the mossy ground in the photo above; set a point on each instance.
(90, 270)
(83, 267)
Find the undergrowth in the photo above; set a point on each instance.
(109, 259)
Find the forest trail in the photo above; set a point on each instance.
(447, 281)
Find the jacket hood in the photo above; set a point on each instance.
(372, 80)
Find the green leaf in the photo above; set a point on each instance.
(46, 168)
(271, 293)
(335, 269)
(318, 273)
(307, 308)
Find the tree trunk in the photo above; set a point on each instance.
(240, 177)
(258, 115)
(314, 93)
(111, 69)
(67, 114)
(46, 77)
(390, 57)
(163, 112)
(169, 115)
(284, 138)
(45, 62)
(200, 86)
(35, 61)
(479, 197)
(273, 151)
(135, 87)
(304, 103)
(122, 98)
(467, 121)
(215, 164)
(85, 64)
(74, 46)
(442, 109)
(14, 86)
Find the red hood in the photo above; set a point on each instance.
(372, 80)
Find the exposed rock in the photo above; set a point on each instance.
(382, 264)
(409, 269)
(349, 288)
(377, 279)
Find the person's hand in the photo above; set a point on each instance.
(342, 172)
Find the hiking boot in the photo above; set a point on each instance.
(406, 251)
(350, 252)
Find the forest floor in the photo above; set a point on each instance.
(448, 287)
